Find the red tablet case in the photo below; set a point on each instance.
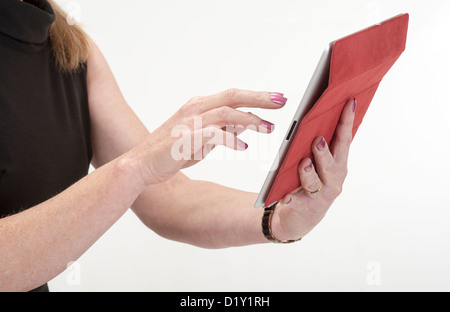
(358, 64)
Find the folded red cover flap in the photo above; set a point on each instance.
(359, 52)
(358, 64)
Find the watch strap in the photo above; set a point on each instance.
(266, 224)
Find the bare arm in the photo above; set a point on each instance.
(196, 212)
(37, 244)
(135, 169)
(203, 213)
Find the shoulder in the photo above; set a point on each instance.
(96, 62)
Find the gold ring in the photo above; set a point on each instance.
(314, 192)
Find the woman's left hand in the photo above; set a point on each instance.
(299, 212)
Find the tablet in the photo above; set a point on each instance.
(351, 67)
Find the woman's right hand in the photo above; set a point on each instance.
(198, 126)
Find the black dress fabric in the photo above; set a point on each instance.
(44, 115)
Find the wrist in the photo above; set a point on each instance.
(279, 227)
(132, 165)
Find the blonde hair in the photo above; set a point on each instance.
(69, 43)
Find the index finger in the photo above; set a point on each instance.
(344, 132)
(236, 98)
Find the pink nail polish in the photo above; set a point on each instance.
(242, 145)
(277, 93)
(309, 167)
(354, 105)
(268, 125)
(321, 145)
(277, 98)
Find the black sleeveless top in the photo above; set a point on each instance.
(44, 115)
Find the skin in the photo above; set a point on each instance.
(134, 168)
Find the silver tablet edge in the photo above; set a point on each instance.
(321, 72)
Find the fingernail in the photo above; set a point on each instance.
(278, 98)
(321, 145)
(277, 93)
(268, 125)
(354, 105)
(309, 167)
(242, 145)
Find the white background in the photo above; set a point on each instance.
(388, 231)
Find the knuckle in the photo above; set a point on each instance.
(336, 190)
(185, 110)
(313, 186)
(224, 112)
(212, 131)
(230, 94)
(345, 172)
(196, 100)
(348, 122)
(248, 121)
(327, 170)
(346, 138)
(251, 118)
(192, 106)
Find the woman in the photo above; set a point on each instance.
(61, 109)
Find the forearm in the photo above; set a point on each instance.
(37, 244)
(201, 213)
